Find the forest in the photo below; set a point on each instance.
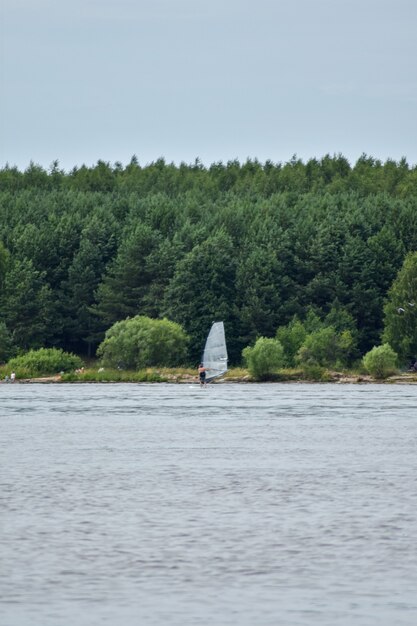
(257, 245)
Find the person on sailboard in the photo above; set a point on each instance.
(202, 374)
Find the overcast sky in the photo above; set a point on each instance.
(83, 80)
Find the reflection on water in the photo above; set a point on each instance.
(250, 505)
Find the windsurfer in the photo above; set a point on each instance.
(202, 374)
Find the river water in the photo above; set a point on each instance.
(171, 505)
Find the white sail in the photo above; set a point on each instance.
(215, 352)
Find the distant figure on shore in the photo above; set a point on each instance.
(12, 377)
(413, 365)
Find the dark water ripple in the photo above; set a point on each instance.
(250, 505)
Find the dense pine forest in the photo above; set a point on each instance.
(253, 244)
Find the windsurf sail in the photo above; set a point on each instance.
(215, 352)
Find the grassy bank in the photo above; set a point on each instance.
(95, 374)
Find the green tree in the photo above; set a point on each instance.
(264, 358)
(400, 311)
(361, 295)
(343, 322)
(326, 348)
(81, 325)
(128, 279)
(259, 292)
(143, 342)
(203, 289)
(28, 306)
(324, 253)
(4, 257)
(6, 343)
(46, 361)
(340, 319)
(381, 361)
(50, 245)
(160, 264)
(35, 176)
(291, 337)
(88, 265)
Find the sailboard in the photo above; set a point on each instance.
(215, 352)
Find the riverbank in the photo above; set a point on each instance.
(236, 375)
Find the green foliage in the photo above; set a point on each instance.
(260, 290)
(324, 342)
(326, 348)
(143, 342)
(45, 361)
(4, 257)
(264, 358)
(312, 322)
(127, 281)
(381, 361)
(315, 373)
(6, 343)
(400, 311)
(203, 289)
(291, 337)
(330, 173)
(85, 273)
(252, 243)
(28, 306)
(340, 319)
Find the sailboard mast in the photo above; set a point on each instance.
(215, 352)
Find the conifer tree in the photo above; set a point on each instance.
(400, 311)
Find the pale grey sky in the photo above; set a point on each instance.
(83, 80)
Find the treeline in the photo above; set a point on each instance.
(331, 173)
(252, 244)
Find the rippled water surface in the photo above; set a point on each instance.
(249, 505)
